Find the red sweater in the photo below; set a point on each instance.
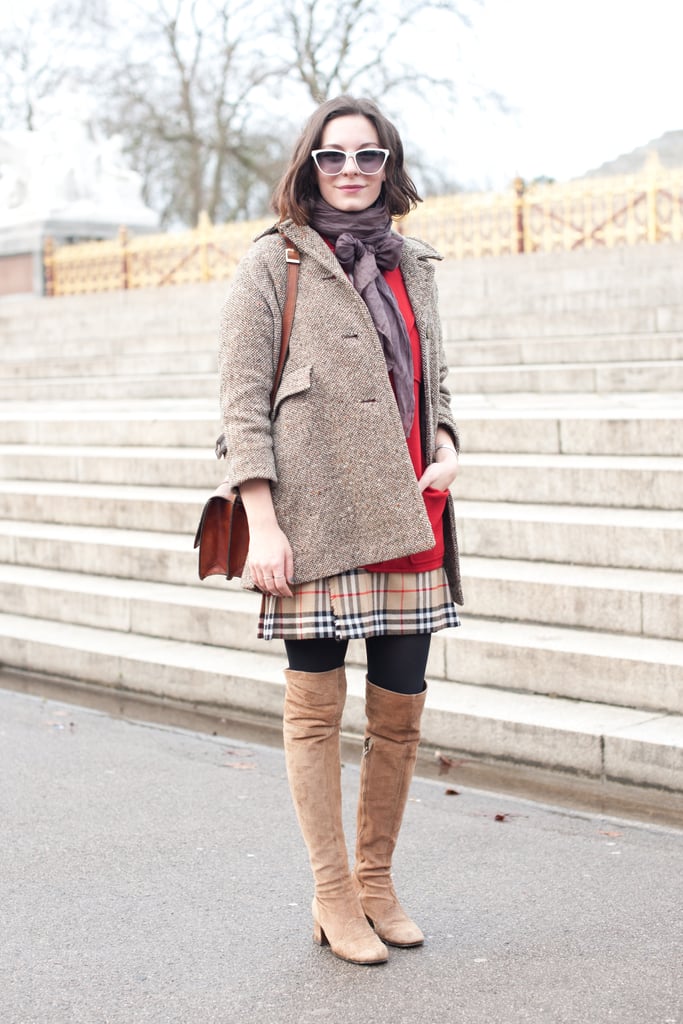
(435, 501)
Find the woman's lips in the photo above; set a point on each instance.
(350, 188)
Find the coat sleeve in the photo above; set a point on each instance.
(250, 322)
(445, 416)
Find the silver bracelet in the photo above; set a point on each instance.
(448, 446)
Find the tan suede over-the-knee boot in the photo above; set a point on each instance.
(314, 702)
(389, 755)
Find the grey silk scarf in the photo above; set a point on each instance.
(364, 245)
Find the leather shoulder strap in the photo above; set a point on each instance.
(293, 260)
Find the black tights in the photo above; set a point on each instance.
(395, 663)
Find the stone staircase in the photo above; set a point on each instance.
(567, 675)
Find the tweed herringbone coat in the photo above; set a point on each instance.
(343, 485)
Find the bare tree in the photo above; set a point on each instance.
(337, 48)
(368, 48)
(184, 94)
(196, 89)
(207, 94)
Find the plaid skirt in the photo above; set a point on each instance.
(358, 604)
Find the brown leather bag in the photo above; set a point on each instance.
(223, 532)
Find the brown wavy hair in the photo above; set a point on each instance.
(298, 188)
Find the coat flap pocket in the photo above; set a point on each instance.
(293, 382)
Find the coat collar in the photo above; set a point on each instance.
(416, 259)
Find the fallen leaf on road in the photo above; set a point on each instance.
(446, 763)
(452, 792)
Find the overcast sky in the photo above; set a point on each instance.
(584, 81)
(587, 80)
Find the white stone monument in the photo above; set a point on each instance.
(66, 182)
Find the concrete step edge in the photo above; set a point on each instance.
(513, 570)
(601, 667)
(218, 594)
(506, 460)
(488, 510)
(597, 741)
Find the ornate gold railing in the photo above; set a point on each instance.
(206, 253)
(584, 214)
(592, 212)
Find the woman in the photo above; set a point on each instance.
(346, 488)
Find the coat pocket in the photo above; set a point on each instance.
(435, 505)
(293, 382)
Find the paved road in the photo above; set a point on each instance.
(156, 876)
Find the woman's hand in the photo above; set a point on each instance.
(271, 561)
(441, 473)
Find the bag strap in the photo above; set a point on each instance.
(293, 260)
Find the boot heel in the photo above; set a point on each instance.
(319, 935)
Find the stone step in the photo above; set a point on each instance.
(632, 601)
(463, 294)
(662, 375)
(623, 481)
(657, 375)
(572, 269)
(572, 663)
(142, 555)
(169, 353)
(576, 664)
(161, 509)
(474, 367)
(625, 348)
(517, 296)
(144, 311)
(483, 324)
(621, 538)
(639, 747)
(108, 423)
(215, 611)
(155, 386)
(619, 481)
(155, 467)
(580, 424)
(598, 536)
(635, 424)
(197, 352)
(42, 345)
(131, 364)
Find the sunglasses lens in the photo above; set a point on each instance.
(331, 161)
(370, 161)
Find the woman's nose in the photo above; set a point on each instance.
(345, 168)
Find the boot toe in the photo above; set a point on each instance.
(403, 934)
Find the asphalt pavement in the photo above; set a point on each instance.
(153, 875)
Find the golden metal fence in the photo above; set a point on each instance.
(205, 253)
(583, 214)
(589, 213)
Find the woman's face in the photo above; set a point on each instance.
(350, 190)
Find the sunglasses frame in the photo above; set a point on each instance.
(350, 153)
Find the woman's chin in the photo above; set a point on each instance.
(352, 203)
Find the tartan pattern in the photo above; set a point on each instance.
(358, 604)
